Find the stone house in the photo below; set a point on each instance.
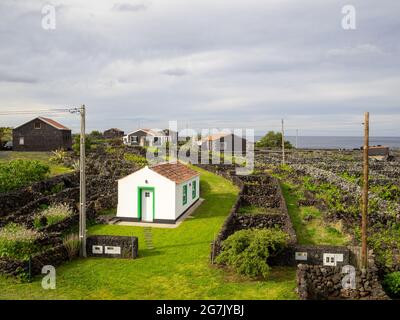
(113, 133)
(41, 134)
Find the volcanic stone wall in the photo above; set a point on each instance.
(12, 201)
(255, 190)
(128, 246)
(316, 282)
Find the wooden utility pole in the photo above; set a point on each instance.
(283, 143)
(364, 249)
(82, 198)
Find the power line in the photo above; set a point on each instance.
(28, 112)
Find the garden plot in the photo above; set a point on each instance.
(49, 210)
(331, 182)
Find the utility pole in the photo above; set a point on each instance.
(364, 249)
(82, 198)
(283, 143)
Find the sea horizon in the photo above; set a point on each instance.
(340, 142)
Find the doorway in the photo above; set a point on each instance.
(146, 204)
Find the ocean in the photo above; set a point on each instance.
(318, 142)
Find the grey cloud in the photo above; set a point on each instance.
(178, 72)
(205, 62)
(124, 7)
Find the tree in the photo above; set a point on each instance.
(77, 144)
(5, 134)
(95, 134)
(273, 140)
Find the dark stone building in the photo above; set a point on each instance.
(224, 142)
(41, 134)
(113, 133)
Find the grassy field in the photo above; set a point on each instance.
(177, 268)
(308, 222)
(55, 169)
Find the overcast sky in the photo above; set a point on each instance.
(205, 63)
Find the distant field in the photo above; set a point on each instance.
(55, 169)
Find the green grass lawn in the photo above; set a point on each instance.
(55, 169)
(177, 268)
(313, 230)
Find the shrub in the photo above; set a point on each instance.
(72, 245)
(135, 159)
(391, 283)
(247, 251)
(52, 215)
(77, 144)
(17, 242)
(273, 140)
(19, 173)
(58, 156)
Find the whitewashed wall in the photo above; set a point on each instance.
(164, 194)
(180, 208)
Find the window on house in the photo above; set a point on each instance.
(184, 196)
(194, 190)
(134, 138)
(37, 125)
(156, 139)
(21, 141)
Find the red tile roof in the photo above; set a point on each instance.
(176, 172)
(53, 123)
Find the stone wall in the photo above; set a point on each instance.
(255, 190)
(106, 245)
(13, 200)
(314, 255)
(316, 282)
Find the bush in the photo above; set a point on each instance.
(19, 173)
(77, 144)
(247, 251)
(273, 140)
(17, 242)
(58, 156)
(391, 284)
(52, 215)
(141, 161)
(72, 244)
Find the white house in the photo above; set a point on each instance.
(150, 137)
(161, 193)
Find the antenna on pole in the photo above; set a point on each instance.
(364, 249)
(283, 143)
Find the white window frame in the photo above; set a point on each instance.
(21, 141)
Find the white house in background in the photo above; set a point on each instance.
(161, 193)
(150, 137)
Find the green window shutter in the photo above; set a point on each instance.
(194, 191)
(184, 195)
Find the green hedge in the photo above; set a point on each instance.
(18, 173)
(391, 284)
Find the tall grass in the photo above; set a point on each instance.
(18, 242)
(52, 215)
(71, 243)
